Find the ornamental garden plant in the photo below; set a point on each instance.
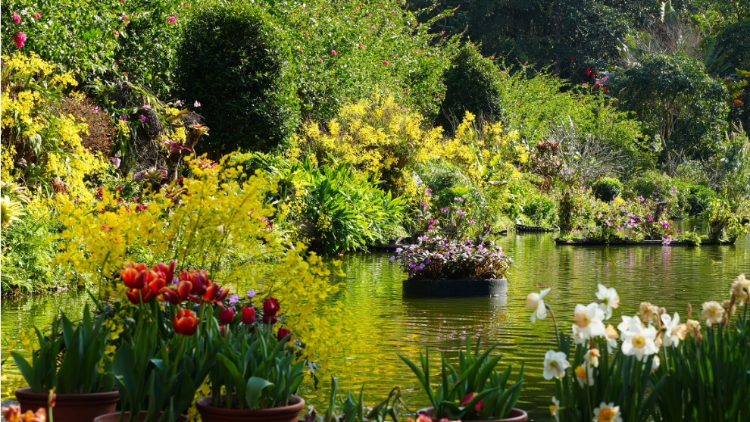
(652, 366)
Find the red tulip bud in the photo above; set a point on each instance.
(226, 316)
(185, 322)
(283, 332)
(248, 315)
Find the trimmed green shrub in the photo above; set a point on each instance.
(472, 84)
(236, 63)
(607, 188)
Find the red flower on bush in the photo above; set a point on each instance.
(248, 315)
(270, 309)
(283, 332)
(226, 316)
(185, 322)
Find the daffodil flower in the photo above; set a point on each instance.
(640, 342)
(535, 301)
(674, 331)
(588, 323)
(609, 300)
(607, 412)
(555, 364)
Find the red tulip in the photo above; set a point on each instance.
(135, 298)
(166, 271)
(198, 280)
(170, 294)
(183, 288)
(283, 332)
(270, 309)
(185, 322)
(214, 293)
(248, 315)
(129, 275)
(226, 316)
(467, 399)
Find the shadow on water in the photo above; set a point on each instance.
(384, 324)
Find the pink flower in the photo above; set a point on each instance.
(16, 18)
(37, 15)
(361, 46)
(171, 19)
(116, 32)
(319, 59)
(393, 12)
(124, 18)
(19, 39)
(333, 53)
(385, 62)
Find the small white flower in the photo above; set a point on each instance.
(607, 413)
(655, 364)
(609, 300)
(674, 331)
(554, 409)
(196, 104)
(555, 364)
(535, 301)
(740, 288)
(630, 324)
(639, 342)
(713, 313)
(588, 322)
(592, 358)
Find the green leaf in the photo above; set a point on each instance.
(255, 387)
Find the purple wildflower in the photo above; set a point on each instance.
(392, 259)
(233, 299)
(251, 293)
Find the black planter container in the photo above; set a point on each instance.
(455, 288)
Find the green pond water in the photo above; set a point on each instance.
(384, 323)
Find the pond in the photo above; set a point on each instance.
(384, 323)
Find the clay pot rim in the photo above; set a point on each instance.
(28, 393)
(296, 404)
(142, 412)
(515, 415)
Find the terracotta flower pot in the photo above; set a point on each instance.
(70, 407)
(288, 413)
(115, 417)
(515, 415)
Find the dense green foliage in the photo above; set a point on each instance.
(681, 106)
(236, 62)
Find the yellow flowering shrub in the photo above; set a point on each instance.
(39, 144)
(219, 224)
(376, 136)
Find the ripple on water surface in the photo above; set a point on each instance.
(384, 323)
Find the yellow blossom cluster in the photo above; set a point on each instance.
(33, 131)
(220, 225)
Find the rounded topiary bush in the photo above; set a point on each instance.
(472, 84)
(607, 188)
(652, 185)
(236, 63)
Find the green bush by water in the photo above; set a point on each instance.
(607, 188)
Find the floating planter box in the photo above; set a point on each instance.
(522, 228)
(455, 288)
(596, 242)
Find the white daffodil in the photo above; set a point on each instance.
(612, 337)
(584, 376)
(655, 364)
(592, 358)
(713, 313)
(536, 301)
(639, 342)
(555, 364)
(607, 413)
(554, 409)
(674, 331)
(609, 300)
(588, 322)
(740, 288)
(630, 324)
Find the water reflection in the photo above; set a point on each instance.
(384, 323)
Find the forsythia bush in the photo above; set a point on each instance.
(41, 147)
(217, 221)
